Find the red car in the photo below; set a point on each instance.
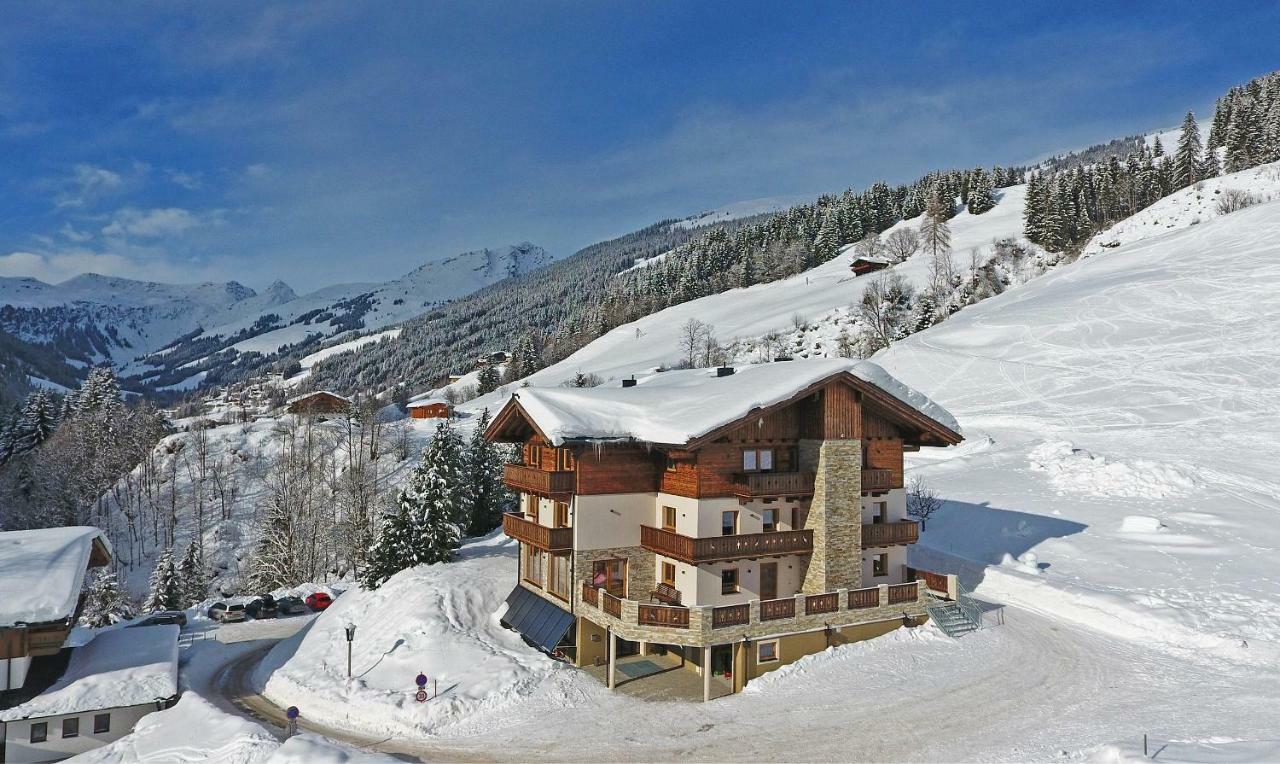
(319, 600)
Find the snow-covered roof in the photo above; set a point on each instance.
(872, 259)
(427, 402)
(679, 406)
(43, 571)
(314, 393)
(121, 667)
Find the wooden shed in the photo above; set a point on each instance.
(319, 402)
(861, 265)
(430, 408)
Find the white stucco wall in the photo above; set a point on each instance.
(897, 505)
(790, 576)
(13, 672)
(897, 559)
(19, 748)
(611, 520)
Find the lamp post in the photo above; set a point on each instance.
(351, 635)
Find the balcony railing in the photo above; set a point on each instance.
(730, 615)
(518, 477)
(879, 480)
(714, 548)
(772, 610)
(899, 593)
(534, 534)
(890, 534)
(663, 615)
(750, 484)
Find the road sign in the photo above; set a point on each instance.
(421, 680)
(291, 712)
(420, 696)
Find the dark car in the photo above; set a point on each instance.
(162, 618)
(263, 606)
(291, 606)
(319, 600)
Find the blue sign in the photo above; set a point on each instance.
(421, 680)
(291, 712)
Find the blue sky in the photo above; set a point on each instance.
(335, 141)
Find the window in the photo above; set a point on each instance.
(39, 732)
(728, 523)
(534, 562)
(562, 514)
(71, 727)
(767, 652)
(531, 507)
(757, 459)
(880, 565)
(669, 518)
(669, 573)
(880, 512)
(770, 520)
(559, 583)
(610, 575)
(729, 581)
(101, 723)
(671, 464)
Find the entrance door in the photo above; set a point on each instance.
(769, 581)
(722, 660)
(610, 575)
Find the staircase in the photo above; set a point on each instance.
(955, 618)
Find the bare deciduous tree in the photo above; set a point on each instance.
(902, 244)
(693, 335)
(922, 501)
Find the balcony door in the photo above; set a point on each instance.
(610, 575)
(769, 581)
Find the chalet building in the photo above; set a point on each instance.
(861, 265)
(737, 520)
(319, 403)
(430, 408)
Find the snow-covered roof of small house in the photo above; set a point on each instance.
(427, 402)
(676, 407)
(872, 259)
(121, 667)
(43, 571)
(314, 393)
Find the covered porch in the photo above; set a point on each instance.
(661, 672)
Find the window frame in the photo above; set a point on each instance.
(669, 524)
(776, 649)
(105, 727)
(44, 732)
(668, 568)
(531, 555)
(754, 459)
(723, 514)
(560, 514)
(559, 579)
(732, 584)
(879, 512)
(880, 562)
(70, 727)
(769, 520)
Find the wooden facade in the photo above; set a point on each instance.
(433, 410)
(320, 402)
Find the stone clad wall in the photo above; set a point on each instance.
(835, 516)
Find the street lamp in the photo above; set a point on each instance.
(350, 629)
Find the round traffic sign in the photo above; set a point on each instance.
(421, 680)
(291, 712)
(420, 696)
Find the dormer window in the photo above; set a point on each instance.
(757, 460)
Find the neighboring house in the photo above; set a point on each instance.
(41, 575)
(430, 408)
(109, 684)
(861, 265)
(740, 520)
(320, 402)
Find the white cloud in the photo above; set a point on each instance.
(152, 223)
(63, 265)
(86, 182)
(192, 181)
(71, 233)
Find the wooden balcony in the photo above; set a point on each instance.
(716, 548)
(540, 536)
(879, 480)
(753, 484)
(518, 477)
(890, 534)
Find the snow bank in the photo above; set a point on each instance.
(121, 667)
(1072, 469)
(678, 406)
(193, 730)
(1207, 751)
(43, 571)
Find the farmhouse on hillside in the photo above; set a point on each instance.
(430, 408)
(319, 403)
(725, 522)
(60, 699)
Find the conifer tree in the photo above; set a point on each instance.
(489, 498)
(105, 602)
(1187, 159)
(192, 574)
(166, 590)
(825, 245)
(980, 197)
(487, 380)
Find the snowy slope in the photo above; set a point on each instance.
(743, 209)
(1188, 207)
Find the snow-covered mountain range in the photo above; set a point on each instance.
(174, 336)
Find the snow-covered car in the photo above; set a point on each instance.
(262, 606)
(163, 617)
(234, 613)
(291, 606)
(319, 600)
(217, 610)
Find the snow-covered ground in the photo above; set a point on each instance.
(341, 347)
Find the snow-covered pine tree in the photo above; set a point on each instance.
(489, 497)
(981, 197)
(105, 602)
(826, 243)
(1186, 160)
(166, 590)
(391, 552)
(487, 380)
(193, 575)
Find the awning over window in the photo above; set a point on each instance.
(540, 621)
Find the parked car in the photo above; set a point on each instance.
(262, 606)
(234, 613)
(291, 606)
(319, 600)
(164, 617)
(217, 610)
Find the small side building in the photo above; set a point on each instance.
(109, 684)
(861, 265)
(318, 403)
(430, 408)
